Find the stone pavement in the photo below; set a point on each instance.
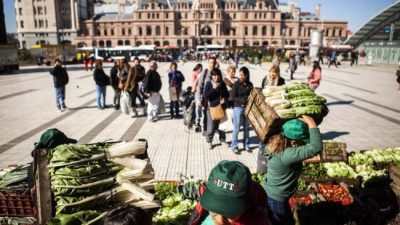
(363, 102)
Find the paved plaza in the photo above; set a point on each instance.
(363, 102)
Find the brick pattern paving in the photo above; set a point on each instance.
(363, 103)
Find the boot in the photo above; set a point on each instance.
(144, 110)
(135, 111)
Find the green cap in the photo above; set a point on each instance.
(51, 138)
(295, 129)
(227, 189)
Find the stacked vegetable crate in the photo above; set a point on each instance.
(269, 108)
(395, 176)
(331, 152)
(87, 180)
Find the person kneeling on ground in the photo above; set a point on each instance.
(127, 215)
(230, 198)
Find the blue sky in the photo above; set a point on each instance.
(356, 12)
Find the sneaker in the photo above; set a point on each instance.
(210, 145)
(65, 107)
(248, 150)
(59, 110)
(236, 151)
(197, 128)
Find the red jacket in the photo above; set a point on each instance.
(256, 213)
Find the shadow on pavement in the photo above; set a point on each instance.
(333, 134)
(340, 103)
(45, 69)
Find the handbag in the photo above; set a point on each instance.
(173, 95)
(126, 102)
(217, 112)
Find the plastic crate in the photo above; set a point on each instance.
(17, 204)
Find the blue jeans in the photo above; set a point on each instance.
(60, 97)
(101, 96)
(282, 215)
(198, 113)
(239, 118)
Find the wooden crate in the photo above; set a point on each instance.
(262, 117)
(328, 156)
(43, 191)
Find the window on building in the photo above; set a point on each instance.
(34, 11)
(148, 30)
(340, 32)
(45, 10)
(185, 15)
(112, 32)
(20, 11)
(234, 31)
(139, 15)
(140, 31)
(40, 10)
(255, 15)
(246, 15)
(326, 32)
(123, 32)
(265, 15)
(158, 16)
(255, 29)
(333, 32)
(264, 30)
(41, 24)
(152, 16)
(105, 32)
(272, 31)
(166, 15)
(35, 24)
(129, 31)
(246, 31)
(158, 30)
(234, 16)
(290, 32)
(273, 16)
(148, 15)
(166, 31)
(47, 25)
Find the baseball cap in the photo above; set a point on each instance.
(228, 188)
(53, 137)
(295, 129)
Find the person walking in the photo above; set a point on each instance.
(292, 65)
(215, 93)
(60, 79)
(114, 75)
(315, 76)
(141, 73)
(300, 140)
(240, 92)
(195, 78)
(175, 79)
(230, 198)
(333, 59)
(203, 79)
(102, 80)
(132, 86)
(152, 87)
(229, 80)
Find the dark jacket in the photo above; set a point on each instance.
(60, 76)
(141, 73)
(214, 95)
(100, 77)
(256, 212)
(114, 77)
(240, 93)
(264, 82)
(175, 79)
(152, 82)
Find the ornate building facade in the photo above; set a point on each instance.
(231, 23)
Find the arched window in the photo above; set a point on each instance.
(206, 30)
(246, 31)
(158, 30)
(265, 43)
(157, 43)
(101, 44)
(255, 30)
(138, 43)
(94, 43)
(120, 42)
(179, 42)
(127, 42)
(234, 43)
(185, 43)
(108, 43)
(165, 43)
(227, 42)
(148, 30)
(256, 43)
(147, 42)
(264, 30)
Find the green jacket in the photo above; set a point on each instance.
(284, 169)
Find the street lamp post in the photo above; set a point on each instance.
(62, 34)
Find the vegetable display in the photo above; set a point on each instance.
(293, 100)
(335, 193)
(86, 177)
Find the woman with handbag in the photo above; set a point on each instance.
(216, 94)
(102, 80)
(175, 78)
(240, 92)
